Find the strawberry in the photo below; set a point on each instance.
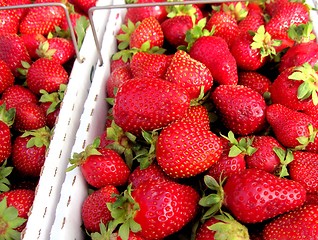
(17, 94)
(19, 13)
(42, 19)
(299, 84)
(84, 5)
(197, 114)
(156, 209)
(214, 53)
(101, 166)
(46, 74)
(304, 170)
(255, 195)
(183, 159)
(10, 22)
(6, 76)
(297, 224)
(273, 6)
(21, 200)
(311, 198)
(13, 51)
(29, 116)
(253, 20)
(164, 103)
(32, 42)
(256, 81)
(189, 73)
(116, 78)
(28, 151)
(6, 121)
(241, 108)
(152, 65)
(148, 30)
(292, 129)
(94, 208)
(299, 54)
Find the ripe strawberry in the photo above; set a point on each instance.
(297, 224)
(299, 54)
(215, 54)
(13, 51)
(46, 74)
(254, 80)
(101, 166)
(94, 208)
(42, 19)
(156, 209)
(311, 198)
(6, 77)
(29, 116)
(253, 20)
(17, 94)
(255, 195)
(19, 13)
(84, 5)
(148, 30)
(299, 84)
(197, 114)
(174, 29)
(32, 42)
(303, 169)
(183, 159)
(9, 22)
(21, 200)
(292, 129)
(189, 73)
(163, 103)
(116, 78)
(6, 121)
(241, 108)
(75, 17)
(28, 151)
(273, 6)
(153, 65)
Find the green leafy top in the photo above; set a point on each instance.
(236, 10)
(285, 158)
(305, 140)
(39, 137)
(7, 116)
(4, 173)
(55, 98)
(301, 33)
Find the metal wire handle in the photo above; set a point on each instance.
(68, 19)
(136, 5)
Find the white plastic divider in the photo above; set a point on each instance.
(68, 221)
(42, 214)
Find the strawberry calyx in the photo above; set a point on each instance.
(263, 41)
(55, 98)
(213, 201)
(79, 158)
(182, 10)
(9, 221)
(305, 140)
(44, 50)
(285, 157)
(124, 37)
(243, 146)
(123, 211)
(236, 10)
(309, 86)
(301, 33)
(228, 228)
(5, 171)
(39, 137)
(7, 116)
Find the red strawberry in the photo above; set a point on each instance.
(163, 103)
(299, 84)
(241, 108)
(32, 42)
(28, 151)
(46, 74)
(253, 20)
(303, 169)
(215, 54)
(312, 198)
(145, 64)
(17, 94)
(13, 51)
(6, 76)
(189, 73)
(21, 200)
(157, 209)
(6, 121)
(148, 30)
(291, 128)
(116, 78)
(29, 116)
(9, 22)
(132, 236)
(19, 13)
(197, 114)
(101, 166)
(273, 6)
(255, 195)
(94, 208)
(84, 5)
(183, 159)
(256, 81)
(297, 224)
(42, 19)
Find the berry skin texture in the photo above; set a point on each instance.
(6, 77)
(255, 195)
(5, 141)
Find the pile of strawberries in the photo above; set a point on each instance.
(36, 59)
(212, 128)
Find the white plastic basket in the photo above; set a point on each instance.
(52, 176)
